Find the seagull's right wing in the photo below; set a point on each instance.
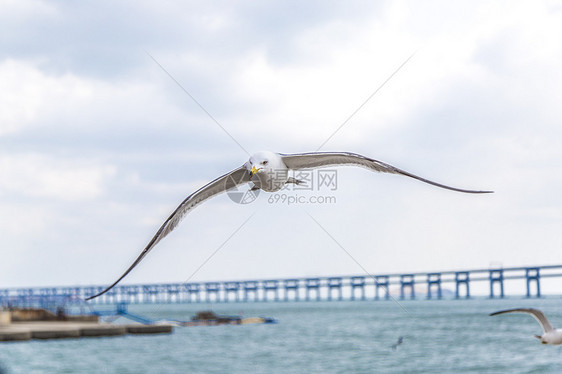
(323, 159)
(539, 316)
(221, 184)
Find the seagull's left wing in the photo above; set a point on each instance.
(221, 184)
(322, 159)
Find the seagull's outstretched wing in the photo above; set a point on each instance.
(322, 159)
(221, 184)
(539, 316)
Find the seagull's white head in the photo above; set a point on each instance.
(269, 169)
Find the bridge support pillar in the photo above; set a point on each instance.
(312, 284)
(434, 279)
(194, 289)
(147, 292)
(533, 275)
(131, 292)
(382, 281)
(291, 285)
(212, 288)
(496, 276)
(358, 282)
(462, 278)
(407, 280)
(335, 283)
(172, 293)
(250, 287)
(232, 287)
(271, 285)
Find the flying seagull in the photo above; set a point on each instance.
(269, 172)
(550, 334)
(395, 345)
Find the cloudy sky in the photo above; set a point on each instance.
(98, 144)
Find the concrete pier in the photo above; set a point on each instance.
(19, 331)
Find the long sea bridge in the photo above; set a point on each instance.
(354, 287)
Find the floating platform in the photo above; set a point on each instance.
(20, 331)
(241, 321)
(209, 318)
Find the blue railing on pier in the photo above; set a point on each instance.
(355, 287)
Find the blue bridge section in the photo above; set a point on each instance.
(354, 287)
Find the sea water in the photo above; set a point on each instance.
(439, 336)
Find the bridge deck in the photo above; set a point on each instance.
(310, 288)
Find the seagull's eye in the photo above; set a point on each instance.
(264, 163)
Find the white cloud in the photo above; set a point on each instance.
(27, 95)
(58, 106)
(42, 176)
(85, 112)
(26, 10)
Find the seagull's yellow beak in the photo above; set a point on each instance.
(253, 171)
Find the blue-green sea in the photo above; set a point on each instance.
(439, 336)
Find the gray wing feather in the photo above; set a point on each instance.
(323, 159)
(537, 314)
(221, 184)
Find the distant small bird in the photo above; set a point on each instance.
(551, 335)
(395, 345)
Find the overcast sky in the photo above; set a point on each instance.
(98, 145)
